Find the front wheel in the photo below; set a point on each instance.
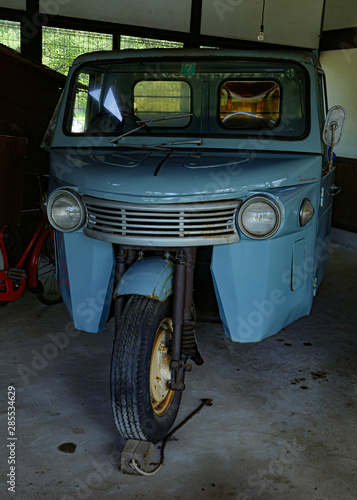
(144, 405)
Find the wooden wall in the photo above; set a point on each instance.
(344, 214)
(28, 96)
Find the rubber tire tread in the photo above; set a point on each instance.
(130, 371)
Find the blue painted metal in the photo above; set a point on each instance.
(261, 285)
(178, 184)
(151, 277)
(85, 276)
(253, 279)
(298, 264)
(324, 227)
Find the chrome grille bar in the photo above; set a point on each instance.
(183, 224)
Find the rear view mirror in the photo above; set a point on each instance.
(335, 121)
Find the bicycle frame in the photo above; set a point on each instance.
(13, 281)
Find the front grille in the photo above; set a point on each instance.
(184, 224)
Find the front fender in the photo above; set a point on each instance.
(85, 278)
(151, 277)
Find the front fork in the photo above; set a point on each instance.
(184, 341)
(184, 344)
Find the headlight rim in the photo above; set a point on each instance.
(269, 200)
(301, 214)
(65, 192)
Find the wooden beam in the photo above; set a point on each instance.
(339, 39)
(194, 38)
(195, 25)
(31, 31)
(11, 14)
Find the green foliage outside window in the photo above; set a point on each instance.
(10, 34)
(61, 46)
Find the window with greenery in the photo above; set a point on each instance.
(134, 42)
(250, 104)
(155, 98)
(61, 46)
(10, 34)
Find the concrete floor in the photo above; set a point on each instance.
(282, 426)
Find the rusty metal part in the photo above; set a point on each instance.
(189, 345)
(131, 446)
(178, 307)
(204, 402)
(333, 128)
(161, 393)
(184, 341)
(177, 366)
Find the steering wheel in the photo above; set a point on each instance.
(243, 120)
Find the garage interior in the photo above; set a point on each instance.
(283, 418)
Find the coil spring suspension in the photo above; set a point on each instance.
(189, 343)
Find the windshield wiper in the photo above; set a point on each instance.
(144, 123)
(159, 147)
(178, 143)
(143, 146)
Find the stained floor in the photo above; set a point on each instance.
(282, 426)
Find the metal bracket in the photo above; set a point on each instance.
(178, 369)
(322, 194)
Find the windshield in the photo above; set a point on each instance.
(182, 99)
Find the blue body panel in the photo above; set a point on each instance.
(85, 277)
(253, 286)
(151, 277)
(236, 175)
(261, 285)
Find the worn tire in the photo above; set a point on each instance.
(132, 390)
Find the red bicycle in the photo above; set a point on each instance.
(35, 267)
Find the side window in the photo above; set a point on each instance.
(154, 99)
(250, 105)
(80, 105)
(97, 105)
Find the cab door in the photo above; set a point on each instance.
(324, 214)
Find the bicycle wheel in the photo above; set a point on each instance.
(46, 274)
(13, 246)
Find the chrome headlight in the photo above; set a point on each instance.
(65, 210)
(259, 217)
(306, 212)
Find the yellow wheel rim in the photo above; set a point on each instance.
(160, 374)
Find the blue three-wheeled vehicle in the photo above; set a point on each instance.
(156, 153)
